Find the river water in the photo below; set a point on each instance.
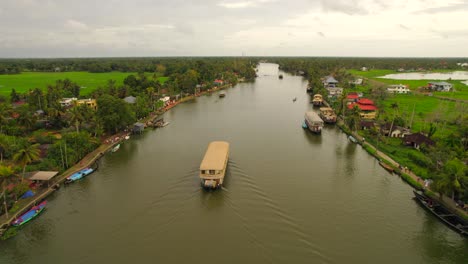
(456, 75)
(289, 196)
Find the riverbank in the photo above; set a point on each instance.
(407, 175)
(91, 159)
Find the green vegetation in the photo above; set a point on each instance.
(88, 82)
(460, 89)
(436, 115)
(39, 131)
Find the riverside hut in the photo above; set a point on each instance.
(138, 127)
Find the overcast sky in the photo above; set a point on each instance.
(102, 28)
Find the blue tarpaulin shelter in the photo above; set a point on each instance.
(27, 194)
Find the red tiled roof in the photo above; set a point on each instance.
(363, 107)
(352, 96)
(365, 101)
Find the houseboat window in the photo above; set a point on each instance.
(212, 171)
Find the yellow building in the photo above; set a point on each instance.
(89, 102)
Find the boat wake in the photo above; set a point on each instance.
(266, 223)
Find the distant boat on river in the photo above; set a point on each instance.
(222, 94)
(280, 76)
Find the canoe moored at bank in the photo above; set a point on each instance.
(313, 121)
(452, 220)
(79, 175)
(30, 214)
(214, 164)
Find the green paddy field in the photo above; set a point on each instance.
(88, 81)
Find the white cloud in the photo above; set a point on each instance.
(230, 27)
(237, 4)
(75, 25)
(242, 4)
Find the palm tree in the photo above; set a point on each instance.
(150, 92)
(76, 117)
(353, 118)
(5, 114)
(394, 106)
(26, 119)
(3, 146)
(6, 172)
(26, 155)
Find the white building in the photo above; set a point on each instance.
(66, 102)
(358, 81)
(364, 69)
(441, 86)
(398, 88)
(334, 91)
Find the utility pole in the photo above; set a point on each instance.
(5, 203)
(61, 155)
(66, 155)
(412, 117)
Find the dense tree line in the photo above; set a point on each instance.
(298, 64)
(167, 66)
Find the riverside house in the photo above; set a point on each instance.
(329, 81)
(440, 86)
(367, 108)
(416, 140)
(398, 88)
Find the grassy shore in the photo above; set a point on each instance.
(461, 90)
(88, 81)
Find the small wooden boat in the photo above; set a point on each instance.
(294, 99)
(222, 94)
(117, 147)
(29, 215)
(164, 124)
(452, 220)
(352, 139)
(79, 175)
(386, 166)
(280, 76)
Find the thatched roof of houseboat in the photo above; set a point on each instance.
(215, 156)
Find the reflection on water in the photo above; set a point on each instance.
(457, 75)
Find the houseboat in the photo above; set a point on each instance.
(328, 115)
(317, 100)
(313, 122)
(214, 164)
